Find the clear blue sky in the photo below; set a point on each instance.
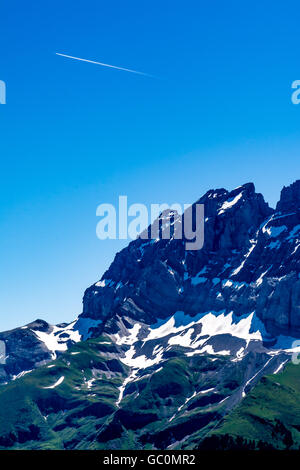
(74, 135)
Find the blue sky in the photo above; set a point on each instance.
(74, 135)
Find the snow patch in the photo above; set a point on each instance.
(230, 203)
(239, 268)
(274, 232)
(60, 381)
(198, 280)
(21, 374)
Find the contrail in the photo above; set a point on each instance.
(105, 65)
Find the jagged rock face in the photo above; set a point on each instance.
(290, 197)
(24, 351)
(32, 346)
(249, 262)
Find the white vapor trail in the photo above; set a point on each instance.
(104, 65)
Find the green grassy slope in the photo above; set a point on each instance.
(269, 417)
(73, 403)
(34, 416)
(81, 412)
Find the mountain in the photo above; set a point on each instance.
(170, 342)
(249, 263)
(36, 344)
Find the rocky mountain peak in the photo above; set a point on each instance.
(218, 201)
(244, 241)
(289, 198)
(247, 188)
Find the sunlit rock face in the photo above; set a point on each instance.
(249, 263)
